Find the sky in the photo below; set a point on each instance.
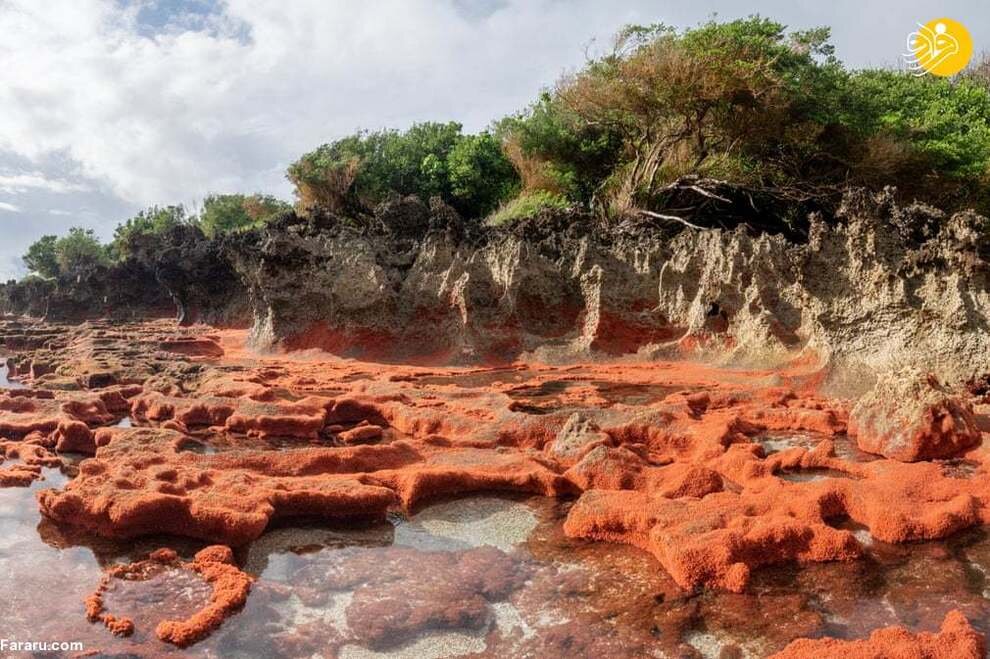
(109, 106)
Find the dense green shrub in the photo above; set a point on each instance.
(480, 175)
(223, 213)
(552, 149)
(139, 236)
(946, 122)
(746, 102)
(373, 164)
(429, 159)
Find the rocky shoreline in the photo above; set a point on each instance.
(876, 290)
(727, 403)
(719, 474)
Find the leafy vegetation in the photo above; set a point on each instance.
(930, 136)
(140, 236)
(480, 175)
(79, 253)
(144, 236)
(742, 103)
(741, 109)
(224, 213)
(430, 159)
(41, 257)
(528, 205)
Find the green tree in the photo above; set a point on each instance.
(945, 122)
(481, 177)
(41, 257)
(223, 213)
(750, 103)
(554, 150)
(372, 165)
(141, 235)
(79, 253)
(726, 99)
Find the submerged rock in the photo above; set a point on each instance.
(214, 565)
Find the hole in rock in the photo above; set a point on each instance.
(190, 445)
(775, 441)
(158, 592)
(959, 468)
(541, 398)
(479, 379)
(209, 443)
(846, 523)
(635, 394)
(845, 447)
(547, 389)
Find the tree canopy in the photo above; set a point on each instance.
(747, 102)
(742, 105)
(429, 159)
(41, 258)
(79, 253)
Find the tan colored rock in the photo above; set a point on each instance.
(909, 417)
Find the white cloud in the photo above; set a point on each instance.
(179, 113)
(224, 101)
(134, 112)
(11, 208)
(17, 183)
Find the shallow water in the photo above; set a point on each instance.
(635, 394)
(5, 381)
(479, 379)
(811, 475)
(480, 574)
(208, 442)
(781, 440)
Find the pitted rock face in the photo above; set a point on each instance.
(857, 296)
(956, 638)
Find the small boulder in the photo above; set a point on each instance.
(75, 437)
(576, 438)
(364, 433)
(910, 417)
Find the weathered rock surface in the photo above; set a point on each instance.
(909, 417)
(858, 297)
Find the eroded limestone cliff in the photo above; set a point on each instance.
(877, 290)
